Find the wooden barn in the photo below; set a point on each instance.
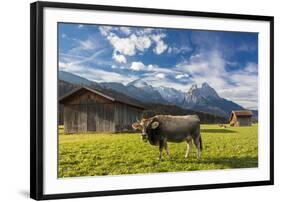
(88, 110)
(241, 118)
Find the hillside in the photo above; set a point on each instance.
(151, 108)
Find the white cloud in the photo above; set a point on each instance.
(204, 64)
(155, 81)
(145, 31)
(99, 75)
(96, 74)
(70, 67)
(245, 94)
(105, 30)
(157, 69)
(86, 45)
(251, 68)
(125, 30)
(137, 66)
(160, 75)
(176, 50)
(240, 86)
(73, 62)
(122, 45)
(141, 42)
(136, 40)
(180, 76)
(130, 45)
(160, 45)
(119, 58)
(158, 37)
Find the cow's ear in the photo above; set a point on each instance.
(154, 125)
(137, 126)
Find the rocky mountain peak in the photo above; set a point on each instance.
(192, 88)
(207, 91)
(205, 85)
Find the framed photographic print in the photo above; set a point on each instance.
(134, 100)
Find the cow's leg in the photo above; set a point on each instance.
(188, 147)
(198, 142)
(167, 149)
(161, 147)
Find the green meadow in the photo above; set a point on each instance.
(95, 154)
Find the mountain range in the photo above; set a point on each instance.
(204, 98)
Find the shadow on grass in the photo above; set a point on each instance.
(235, 162)
(217, 131)
(232, 162)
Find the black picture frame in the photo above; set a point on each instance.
(36, 99)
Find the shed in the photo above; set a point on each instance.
(241, 118)
(88, 110)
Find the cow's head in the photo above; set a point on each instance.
(144, 126)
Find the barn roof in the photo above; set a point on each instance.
(241, 113)
(109, 97)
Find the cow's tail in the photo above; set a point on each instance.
(200, 140)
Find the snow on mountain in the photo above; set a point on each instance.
(171, 95)
(139, 83)
(137, 89)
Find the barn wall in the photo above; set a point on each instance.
(75, 119)
(240, 121)
(85, 111)
(244, 121)
(101, 118)
(125, 116)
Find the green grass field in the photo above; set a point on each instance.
(115, 154)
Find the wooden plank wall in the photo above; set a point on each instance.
(245, 121)
(101, 118)
(88, 112)
(89, 117)
(125, 116)
(75, 119)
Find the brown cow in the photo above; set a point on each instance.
(160, 129)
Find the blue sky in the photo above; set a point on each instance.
(176, 58)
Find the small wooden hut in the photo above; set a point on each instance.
(88, 110)
(241, 118)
